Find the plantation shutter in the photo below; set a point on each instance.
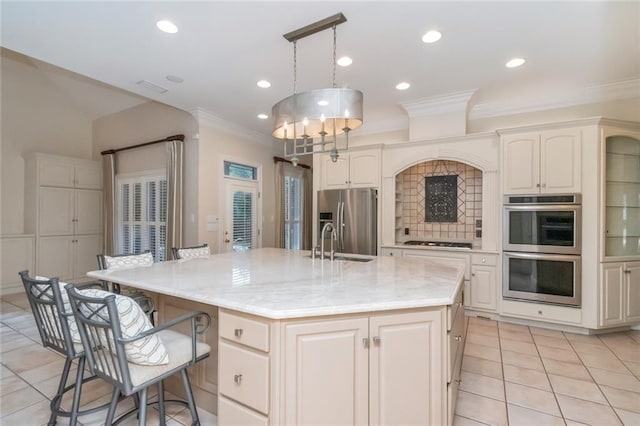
(243, 220)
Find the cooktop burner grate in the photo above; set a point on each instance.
(438, 244)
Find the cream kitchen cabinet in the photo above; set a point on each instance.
(619, 293)
(542, 162)
(69, 172)
(484, 288)
(69, 211)
(63, 209)
(68, 257)
(349, 371)
(204, 375)
(354, 169)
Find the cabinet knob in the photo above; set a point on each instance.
(539, 312)
(473, 275)
(458, 382)
(376, 340)
(458, 338)
(627, 271)
(390, 254)
(237, 379)
(365, 342)
(537, 185)
(484, 260)
(237, 332)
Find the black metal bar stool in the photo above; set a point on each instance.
(58, 331)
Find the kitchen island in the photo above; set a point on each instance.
(310, 341)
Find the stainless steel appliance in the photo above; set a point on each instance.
(542, 223)
(449, 244)
(542, 246)
(543, 277)
(353, 212)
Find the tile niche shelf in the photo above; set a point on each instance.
(399, 209)
(622, 186)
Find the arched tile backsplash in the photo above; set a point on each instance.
(469, 201)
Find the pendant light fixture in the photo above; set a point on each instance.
(311, 122)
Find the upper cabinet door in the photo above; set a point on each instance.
(88, 176)
(521, 162)
(56, 173)
(560, 165)
(364, 169)
(335, 175)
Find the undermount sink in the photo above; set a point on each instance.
(346, 258)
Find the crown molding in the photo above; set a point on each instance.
(206, 117)
(450, 102)
(588, 95)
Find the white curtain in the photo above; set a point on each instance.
(175, 165)
(282, 169)
(109, 194)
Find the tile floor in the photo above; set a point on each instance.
(29, 377)
(512, 375)
(518, 375)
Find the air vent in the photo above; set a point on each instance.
(148, 85)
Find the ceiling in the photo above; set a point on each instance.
(223, 48)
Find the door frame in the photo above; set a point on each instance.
(222, 197)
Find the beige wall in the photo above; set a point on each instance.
(148, 122)
(215, 146)
(36, 117)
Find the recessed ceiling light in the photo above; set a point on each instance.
(345, 61)
(514, 63)
(264, 84)
(323, 103)
(403, 85)
(263, 116)
(167, 26)
(175, 79)
(432, 36)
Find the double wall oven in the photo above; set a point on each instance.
(542, 246)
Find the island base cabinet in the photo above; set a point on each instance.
(406, 355)
(204, 375)
(234, 414)
(382, 369)
(327, 372)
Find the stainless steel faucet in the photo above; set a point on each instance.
(334, 237)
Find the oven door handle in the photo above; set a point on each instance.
(537, 207)
(542, 256)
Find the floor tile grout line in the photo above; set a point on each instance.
(598, 384)
(504, 379)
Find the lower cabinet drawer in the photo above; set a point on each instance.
(455, 340)
(542, 312)
(243, 375)
(230, 413)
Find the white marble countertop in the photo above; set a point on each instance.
(439, 248)
(278, 283)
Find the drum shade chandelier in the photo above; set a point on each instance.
(310, 122)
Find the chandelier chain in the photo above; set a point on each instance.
(334, 56)
(295, 65)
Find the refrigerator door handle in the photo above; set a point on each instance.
(341, 226)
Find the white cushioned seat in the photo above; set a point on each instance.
(179, 347)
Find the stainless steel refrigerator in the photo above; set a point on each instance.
(353, 212)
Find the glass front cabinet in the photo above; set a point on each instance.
(619, 281)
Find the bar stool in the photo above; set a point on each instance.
(114, 343)
(58, 331)
(123, 261)
(191, 252)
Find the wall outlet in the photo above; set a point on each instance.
(478, 223)
(406, 231)
(478, 233)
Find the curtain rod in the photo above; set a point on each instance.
(140, 145)
(280, 159)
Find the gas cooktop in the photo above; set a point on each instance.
(438, 244)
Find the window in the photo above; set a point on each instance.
(240, 171)
(141, 203)
(293, 199)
